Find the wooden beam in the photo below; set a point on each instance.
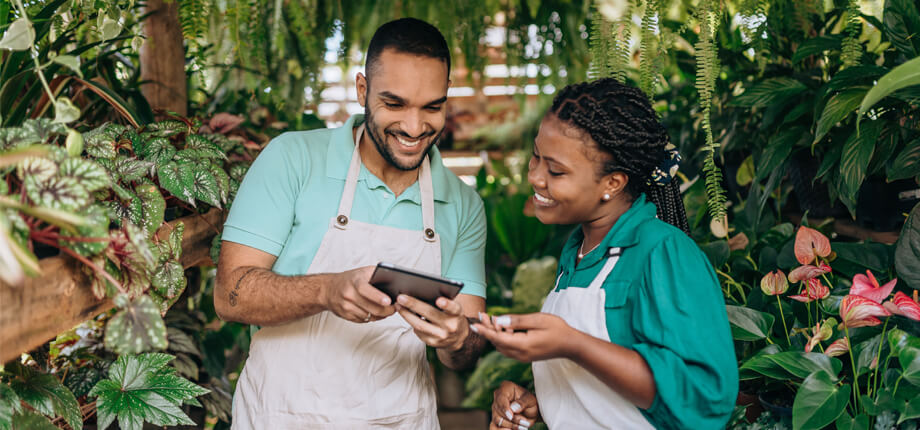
(61, 297)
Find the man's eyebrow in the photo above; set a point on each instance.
(391, 96)
(437, 102)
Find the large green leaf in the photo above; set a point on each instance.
(749, 324)
(15, 137)
(45, 393)
(871, 255)
(907, 250)
(768, 92)
(168, 282)
(837, 108)
(57, 193)
(9, 406)
(179, 179)
(818, 402)
(39, 169)
(801, 364)
(907, 163)
(89, 174)
(911, 410)
(846, 422)
(204, 147)
(136, 328)
(905, 75)
(778, 149)
(817, 45)
(223, 181)
(902, 25)
(206, 188)
(153, 148)
(909, 357)
(141, 388)
(866, 352)
(100, 141)
(28, 420)
(854, 160)
(131, 169)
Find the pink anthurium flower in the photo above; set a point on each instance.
(858, 311)
(815, 290)
(774, 283)
(839, 347)
(806, 272)
(810, 244)
(867, 286)
(904, 306)
(821, 332)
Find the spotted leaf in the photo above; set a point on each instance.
(44, 128)
(237, 171)
(156, 149)
(179, 179)
(166, 128)
(96, 227)
(136, 328)
(131, 169)
(9, 405)
(89, 174)
(223, 181)
(153, 207)
(45, 393)
(14, 137)
(101, 141)
(39, 169)
(204, 147)
(57, 193)
(206, 188)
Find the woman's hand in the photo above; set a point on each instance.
(513, 407)
(528, 337)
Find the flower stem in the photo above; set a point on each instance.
(853, 365)
(783, 317)
(878, 358)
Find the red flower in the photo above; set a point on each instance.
(806, 272)
(858, 311)
(839, 347)
(774, 283)
(814, 291)
(809, 244)
(903, 305)
(867, 286)
(822, 331)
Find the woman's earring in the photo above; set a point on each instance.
(606, 197)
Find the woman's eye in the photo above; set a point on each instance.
(552, 173)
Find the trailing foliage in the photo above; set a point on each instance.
(707, 71)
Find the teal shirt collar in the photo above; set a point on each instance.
(342, 145)
(623, 234)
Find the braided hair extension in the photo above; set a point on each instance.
(622, 124)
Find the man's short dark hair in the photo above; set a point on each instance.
(409, 36)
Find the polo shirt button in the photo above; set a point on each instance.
(342, 219)
(429, 233)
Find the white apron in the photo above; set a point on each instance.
(569, 396)
(324, 372)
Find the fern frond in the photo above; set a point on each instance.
(193, 18)
(707, 64)
(648, 66)
(601, 42)
(851, 51)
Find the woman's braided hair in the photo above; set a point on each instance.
(622, 123)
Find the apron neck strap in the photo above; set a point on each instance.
(613, 256)
(351, 182)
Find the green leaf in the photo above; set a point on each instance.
(861, 75)
(166, 128)
(204, 147)
(904, 75)
(854, 161)
(178, 179)
(817, 45)
(206, 188)
(45, 393)
(168, 282)
(89, 174)
(237, 171)
(907, 250)
(83, 379)
(141, 388)
(57, 193)
(136, 328)
(818, 402)
(9, 406)
(801, 364)
(14, 137)
(74, 143)
(223, 182)
(65, 111)
(69, 61)
(907, 163)
(872, 255)
(96, 227)
(19, 36)
(769, 92)
(866, 352)
(130, 169)
(778, 149)
(717, 251)
(156, 149)
(100, 142)
(28, 420)
(846, 422)
(902, 25)
(749, 324)
(39, 169)
(836, 109)
(153, 206)
(909, 357)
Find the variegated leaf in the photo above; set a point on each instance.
(136, 328)
(57, 193)
(172, 246)
(89, 174)
(39, 169)
(169, 279)
(97, 226)
(131, 209)
(222, 142)
(205, 147)
(162, 303)
(122, 192)
(101, 287)
(193, 156)
(44, 128)
(237, 171)
(131, 169)
(153, 205)
(178, 179)
(100, 142)
(140, 249)
(156, 149)
(14, 137)
(223, 181)
(206, 189)
(167, 128)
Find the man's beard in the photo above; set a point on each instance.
(386, 152)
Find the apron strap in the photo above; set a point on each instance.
(351, 182)
(427, 197)
(613, 255)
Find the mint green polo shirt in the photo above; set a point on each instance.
(663, 300)
(292, 190)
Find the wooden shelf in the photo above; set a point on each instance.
(61, 297)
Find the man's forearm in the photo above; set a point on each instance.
(466, 356)
(255, 295)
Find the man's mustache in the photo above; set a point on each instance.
(407, 136)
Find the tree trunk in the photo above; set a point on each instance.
(163, 58)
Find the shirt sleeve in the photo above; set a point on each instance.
(468, 262)
(682, 332)
(262, 212)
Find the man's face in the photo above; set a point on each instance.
(403, 103)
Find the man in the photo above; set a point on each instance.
(314, 214)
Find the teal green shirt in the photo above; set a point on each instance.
(663, 300)
(292, 190)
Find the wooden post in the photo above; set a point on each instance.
(163, 58)
(62, 297)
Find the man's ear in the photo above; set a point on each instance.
(361, 88)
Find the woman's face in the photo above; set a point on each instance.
(563, 173)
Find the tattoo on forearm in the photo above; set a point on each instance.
(466, 356)
(234, 293)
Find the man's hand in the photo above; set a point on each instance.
(513, 407)
(351, 297)
(445, 328)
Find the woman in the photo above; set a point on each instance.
(635, 333)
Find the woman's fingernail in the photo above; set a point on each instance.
(483, 317)
(475, 330)
(525, 423)
(515, 407)
(509, 415)
(504, 320)
(523, 427)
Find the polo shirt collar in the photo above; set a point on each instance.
(623, 234)
(342, 146)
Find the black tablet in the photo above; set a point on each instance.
(394, 280)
